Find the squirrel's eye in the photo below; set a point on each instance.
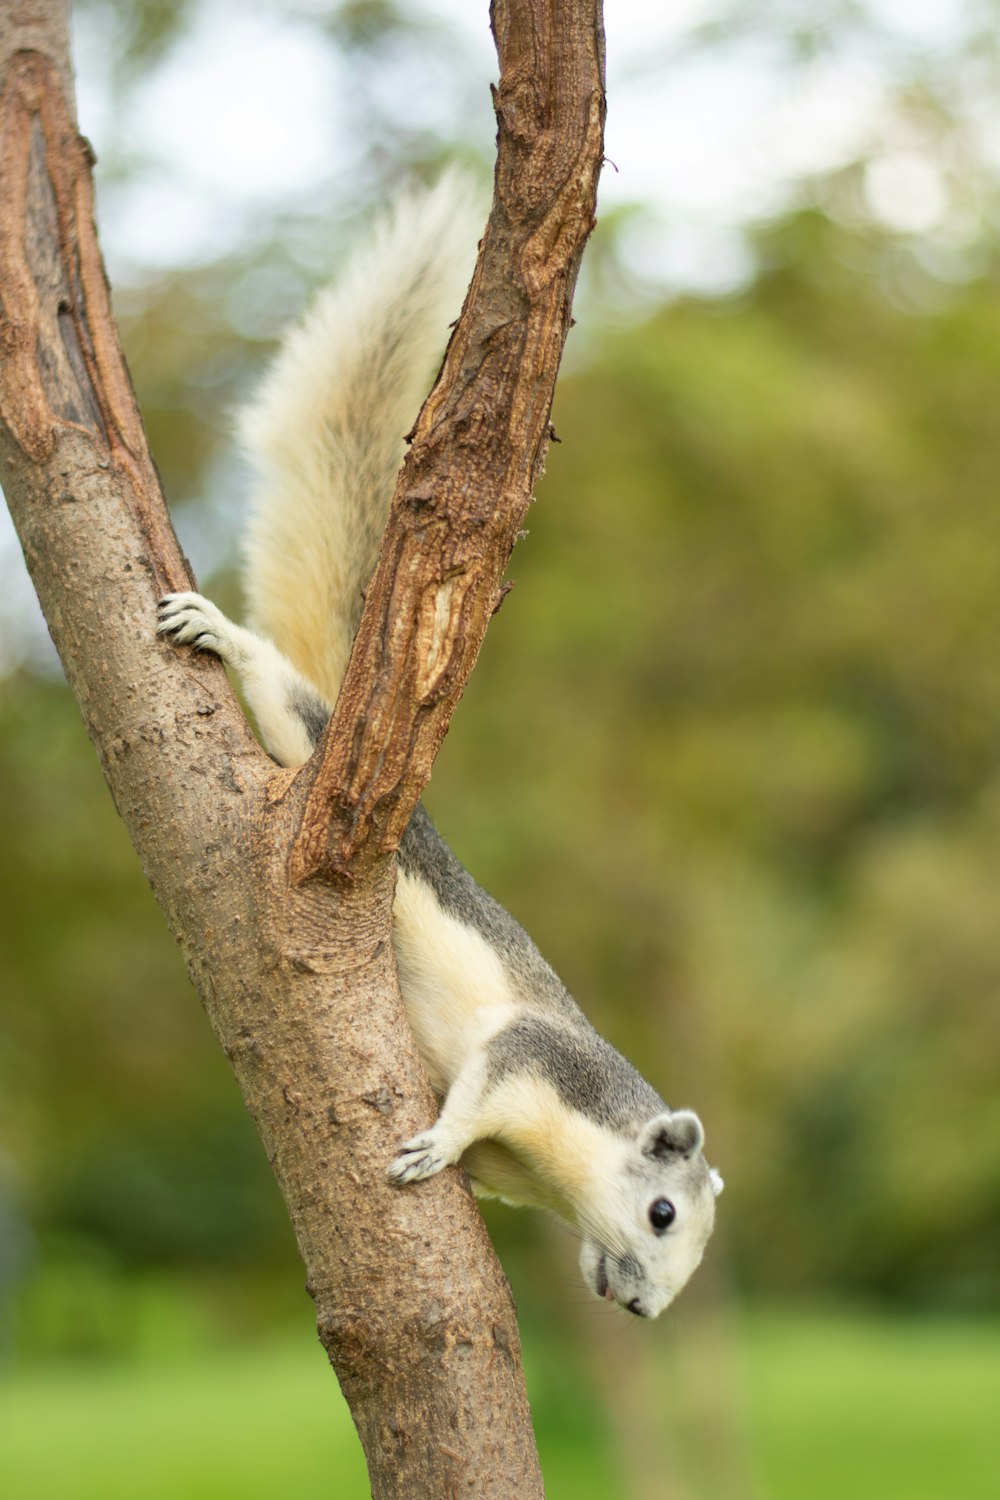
(662, 1214)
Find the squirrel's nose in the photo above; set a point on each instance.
(635, 1306)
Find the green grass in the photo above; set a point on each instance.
(849, 1406)
(839, 1405)
(260, 1422)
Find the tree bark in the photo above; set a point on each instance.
(278, 885)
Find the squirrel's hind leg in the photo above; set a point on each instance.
(289, 711)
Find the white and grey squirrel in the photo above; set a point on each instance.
(537, 1106)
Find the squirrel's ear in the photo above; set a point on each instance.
(677, 1133)
(716, 1180)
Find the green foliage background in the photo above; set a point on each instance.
(731, 755)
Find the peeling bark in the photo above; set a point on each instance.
(478, 447)
(296, 973)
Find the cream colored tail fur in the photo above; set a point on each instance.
(325, 433)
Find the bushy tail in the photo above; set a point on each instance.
(325, 431)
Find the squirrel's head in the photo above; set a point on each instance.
(647, 1227)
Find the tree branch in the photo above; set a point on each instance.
(478, 446)
(298, 978)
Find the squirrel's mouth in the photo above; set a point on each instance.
(603, 1289)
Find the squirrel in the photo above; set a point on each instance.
(538, 1108)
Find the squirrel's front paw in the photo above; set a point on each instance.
(424, 1156)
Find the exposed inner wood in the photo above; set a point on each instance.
(477, 449)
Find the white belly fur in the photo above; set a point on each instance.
(453, 984)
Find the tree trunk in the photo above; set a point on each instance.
(278, 885)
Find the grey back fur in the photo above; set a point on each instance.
(552, 1039)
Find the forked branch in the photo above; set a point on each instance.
(298, 978)
(478, 446)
